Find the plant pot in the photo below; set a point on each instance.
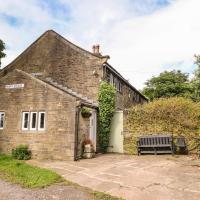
(86, 114)
(88, 151)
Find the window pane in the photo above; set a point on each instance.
(33, 124)
(26, 118)
(42, 120)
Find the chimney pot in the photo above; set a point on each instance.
(95, 49)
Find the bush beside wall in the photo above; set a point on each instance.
(179, 116)
(21, 152)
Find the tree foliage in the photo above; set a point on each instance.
(178, 116)
(106, 109)
(168, 84)
(195, 83)
(2, 48)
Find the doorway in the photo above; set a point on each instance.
(93, 128)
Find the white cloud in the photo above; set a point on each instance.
(140, 44)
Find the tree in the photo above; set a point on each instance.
(2, 48)
(196, 81)
(168, 84)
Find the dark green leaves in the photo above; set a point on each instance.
(2, 48)
(106, 109)
(168, 84)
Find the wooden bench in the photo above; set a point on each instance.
(155, 144)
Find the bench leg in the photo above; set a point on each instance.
(172, 149)
(155, 151)
(138, 152)
(172, 152)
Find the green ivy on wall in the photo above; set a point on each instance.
(106, 109)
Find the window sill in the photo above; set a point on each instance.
(32, 131)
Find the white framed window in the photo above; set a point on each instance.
(41, 121)
(33, 121)
(25, 121)
(2, 116)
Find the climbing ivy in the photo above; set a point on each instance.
(106, 100)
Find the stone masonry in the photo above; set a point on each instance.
(57, 76)
(57, 141)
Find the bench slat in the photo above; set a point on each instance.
(156, 145)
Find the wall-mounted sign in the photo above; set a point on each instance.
(14, 86)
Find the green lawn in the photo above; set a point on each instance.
(26, 175)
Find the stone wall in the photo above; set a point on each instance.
(57, 141)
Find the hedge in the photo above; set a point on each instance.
(177, 115)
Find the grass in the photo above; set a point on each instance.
(26, 175)
(19, 172)
(96, 195)
(104, 196)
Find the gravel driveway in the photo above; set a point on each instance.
(56, 192)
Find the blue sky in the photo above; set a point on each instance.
(142, 37)
(9, 19)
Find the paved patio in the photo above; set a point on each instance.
(133, 177)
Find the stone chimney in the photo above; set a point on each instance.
(95, 49)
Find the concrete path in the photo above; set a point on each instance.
(133, 177)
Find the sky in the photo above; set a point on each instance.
(142, 37)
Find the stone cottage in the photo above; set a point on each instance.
(43, 91)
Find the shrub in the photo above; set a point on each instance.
(178, 116)
(106, 109)
(21, 153)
